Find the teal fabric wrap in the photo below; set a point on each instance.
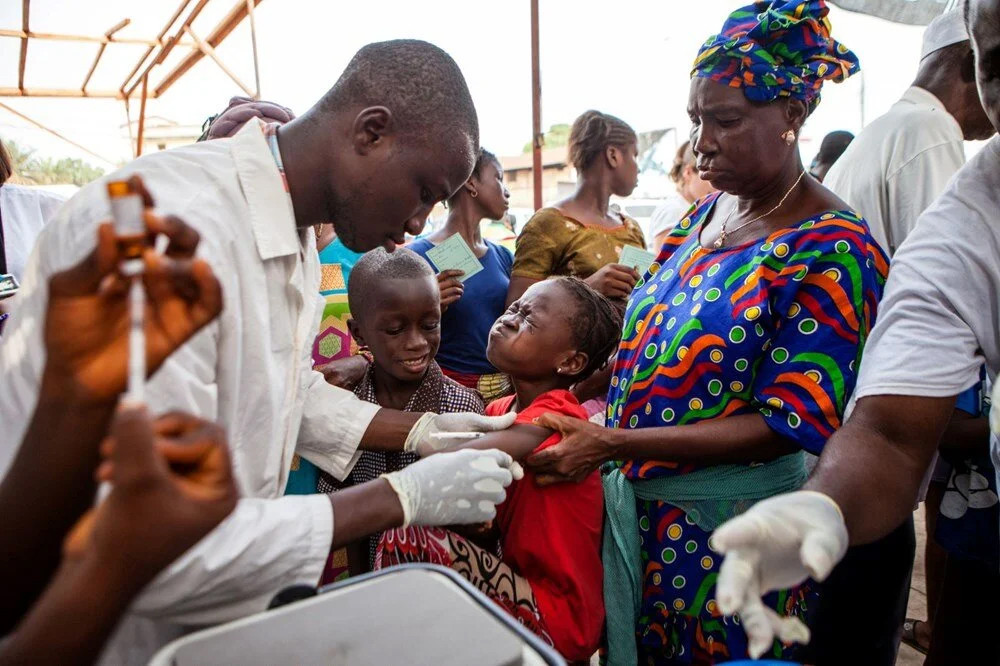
(710, 496)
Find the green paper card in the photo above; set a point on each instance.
(455, 254)
(636, 258)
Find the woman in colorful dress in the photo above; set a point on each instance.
(740, 348)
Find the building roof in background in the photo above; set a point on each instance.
(557, 156)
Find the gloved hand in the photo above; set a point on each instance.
(454, 488)
(421, 439)
(775, 545)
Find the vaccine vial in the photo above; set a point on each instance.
(126, 211)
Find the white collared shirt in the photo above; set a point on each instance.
(898, 165)
(250, 370)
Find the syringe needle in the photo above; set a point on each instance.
(136, 341)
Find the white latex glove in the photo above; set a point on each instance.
(422, 442)
(461, 487)
(775, 545)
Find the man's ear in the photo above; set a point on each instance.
(352, 326)
(573, 364)
(371, 128)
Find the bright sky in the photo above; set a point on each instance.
(628, 57)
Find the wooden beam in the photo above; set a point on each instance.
(222, 30)
(60, 92)
(99, 39)
(210, 52)
(168, 46)
(100, 50)
(55, 133)
(142, 116)
(25, 6)
(253, 44)
(159, 38)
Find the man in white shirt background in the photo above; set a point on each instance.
(395, 135)
(23, 213)
(902, 160)
(938, 323)
(896, 167)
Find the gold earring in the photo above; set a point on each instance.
(789, 137)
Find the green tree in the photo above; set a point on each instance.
(558, 135)
(32, 170)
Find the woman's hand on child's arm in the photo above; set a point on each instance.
(584, 447)
(519, 440)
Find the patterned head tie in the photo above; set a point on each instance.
(780, 48)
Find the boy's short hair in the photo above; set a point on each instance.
(596, 324)
(420, 83)
(377, 267)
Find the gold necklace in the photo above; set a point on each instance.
(722, 234)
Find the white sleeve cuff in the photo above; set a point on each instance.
(264, 546)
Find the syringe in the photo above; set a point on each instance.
(127, 211)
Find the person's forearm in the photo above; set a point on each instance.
(388, 430)
(873, 466)
(733, 440)
(49, 486)
(518, 285)
(75, 615)
(363, 510)
(518, 441)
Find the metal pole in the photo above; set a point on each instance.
(142, 117)
(537, 138)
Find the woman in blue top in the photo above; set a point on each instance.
(470, 308)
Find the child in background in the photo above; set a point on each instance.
(550, 576)
(396, 312)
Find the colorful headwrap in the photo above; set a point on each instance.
(776, 49)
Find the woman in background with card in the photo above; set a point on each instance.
(473, 274)
(582, 235)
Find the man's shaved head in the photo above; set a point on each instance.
(396, 134)
(420, 83)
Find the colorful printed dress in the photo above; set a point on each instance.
(774, 327)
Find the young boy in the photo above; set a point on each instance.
(550, 577)
(395, 310)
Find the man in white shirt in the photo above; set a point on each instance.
(894, 170)
(938, 323)
(902, 161)
(395, 135)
